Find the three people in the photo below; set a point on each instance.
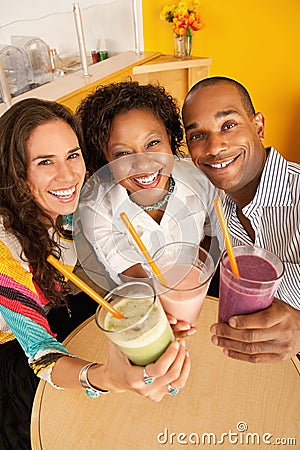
(225, 137)
(42, 172)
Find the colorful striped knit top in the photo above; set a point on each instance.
(22, 313)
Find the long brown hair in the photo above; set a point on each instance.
(20, 213)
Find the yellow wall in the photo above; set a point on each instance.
(257, 43)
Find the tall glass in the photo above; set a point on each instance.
(144, 333)
(260, 275)
(187, 270)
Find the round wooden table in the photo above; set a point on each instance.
(225, 403)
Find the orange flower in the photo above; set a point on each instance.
(194, 22)
(185, 18)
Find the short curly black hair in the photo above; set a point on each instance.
(97, 111)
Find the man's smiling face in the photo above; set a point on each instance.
(224, 140)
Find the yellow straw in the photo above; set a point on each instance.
(226, 236)
(83, 286)
(142, 247)
(296, 363)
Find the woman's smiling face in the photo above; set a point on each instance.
(140, 154)
(55, 168)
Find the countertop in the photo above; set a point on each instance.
(73, 82)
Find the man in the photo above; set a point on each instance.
(262, 206)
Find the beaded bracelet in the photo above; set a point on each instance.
(90, 390)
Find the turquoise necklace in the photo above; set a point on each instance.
(161, 202)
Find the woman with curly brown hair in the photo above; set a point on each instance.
(134, 133)
(42, 170)
(98, 111)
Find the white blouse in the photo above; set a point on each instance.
(189, 215)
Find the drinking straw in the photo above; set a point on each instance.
(83, 286)
(226, 236)
(142, 247)
(296, 363)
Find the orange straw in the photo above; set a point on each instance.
(226, 236)
(142, 247)
(296, 363)
(83, 286)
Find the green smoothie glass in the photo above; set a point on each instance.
(144, 333)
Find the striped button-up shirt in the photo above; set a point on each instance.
(274, 214)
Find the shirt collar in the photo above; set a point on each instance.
(118, 197)
(183, 185)
(273, 189)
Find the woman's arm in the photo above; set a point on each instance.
(135, 271)
(117, 374)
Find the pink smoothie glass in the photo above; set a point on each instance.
(187, 270)
(260, 275)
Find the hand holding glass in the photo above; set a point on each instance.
(144, 333)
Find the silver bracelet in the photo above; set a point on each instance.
(90, 390)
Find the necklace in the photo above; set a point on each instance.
(161, 202)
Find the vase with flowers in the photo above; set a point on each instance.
(186, 19)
